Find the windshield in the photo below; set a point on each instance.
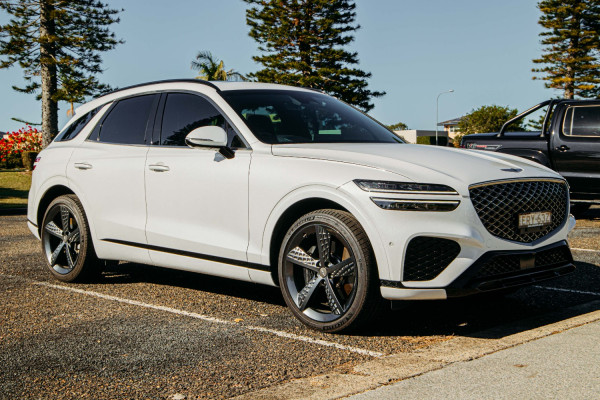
(290, 116)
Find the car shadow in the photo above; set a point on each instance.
(484, 316)
(492, 316)
(593, 214)
(129, 273)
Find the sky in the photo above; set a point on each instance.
(482, 49)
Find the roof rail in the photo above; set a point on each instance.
(199, 81)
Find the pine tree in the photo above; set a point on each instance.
(57, 43)
(303, 44)
(571, 39)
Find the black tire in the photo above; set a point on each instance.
(578, 209)
(66, 241)
(344, 293)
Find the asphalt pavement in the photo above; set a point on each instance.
(146, 332)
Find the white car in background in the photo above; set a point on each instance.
(287, 186)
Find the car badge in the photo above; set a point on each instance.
(511, 169)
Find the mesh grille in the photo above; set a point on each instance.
(501, 265)
(426, 257)
(507, 264)
(499, 205)
(556, 256)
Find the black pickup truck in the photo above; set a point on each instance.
(569, 142)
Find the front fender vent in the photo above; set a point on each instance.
(426, 257)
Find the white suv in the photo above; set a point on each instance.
(287, 186)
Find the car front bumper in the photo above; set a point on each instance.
(475, 248)
(494, 270)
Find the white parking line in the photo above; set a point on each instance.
(205, 318)
(588, 250)
(567, 290)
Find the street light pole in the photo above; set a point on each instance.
(437, 108)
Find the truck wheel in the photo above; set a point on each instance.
(66, 241)
(327, 271)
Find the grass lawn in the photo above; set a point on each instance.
(14, 187)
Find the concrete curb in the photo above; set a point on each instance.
(397, 367)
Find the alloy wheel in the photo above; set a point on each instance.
(320, 272)
(61, 238)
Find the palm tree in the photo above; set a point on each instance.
(211, 70)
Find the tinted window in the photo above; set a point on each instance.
(286, 116)
(128, 121)
(582, 121)
(185, 112)
(73, 130)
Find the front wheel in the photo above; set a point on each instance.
(327, 271)
(66, 241)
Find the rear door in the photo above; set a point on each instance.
(576, 149)
(107, 170)
(197, 199)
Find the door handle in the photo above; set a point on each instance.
(562, 148)
(160, 167)
(83, 165)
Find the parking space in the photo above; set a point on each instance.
(149, 332)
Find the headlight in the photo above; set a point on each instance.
(403, 187)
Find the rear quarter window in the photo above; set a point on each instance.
(71, 131)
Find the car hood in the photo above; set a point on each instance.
(458, 168)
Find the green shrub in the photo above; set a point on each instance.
(28, 158)
(11, 161)
(442, 140)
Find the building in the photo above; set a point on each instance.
(410, 135)
(451, 126)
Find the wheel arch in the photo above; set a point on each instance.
(289, 216)
(301, 202)
(49, 195)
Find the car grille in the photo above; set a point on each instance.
(499, 204)
(511, 263)
(426, 257)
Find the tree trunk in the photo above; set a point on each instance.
(48, 73)
(574, 51)
(570, 84)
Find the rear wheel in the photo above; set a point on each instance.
(327, 271)
(66, 241)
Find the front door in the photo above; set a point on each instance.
(197, 200)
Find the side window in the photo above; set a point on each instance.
(582, 121)
(128, 121)
(73, 130)
(185, 112)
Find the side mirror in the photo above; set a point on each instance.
(210, 136)
(207, 136)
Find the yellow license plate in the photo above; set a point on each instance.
(535, 219)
